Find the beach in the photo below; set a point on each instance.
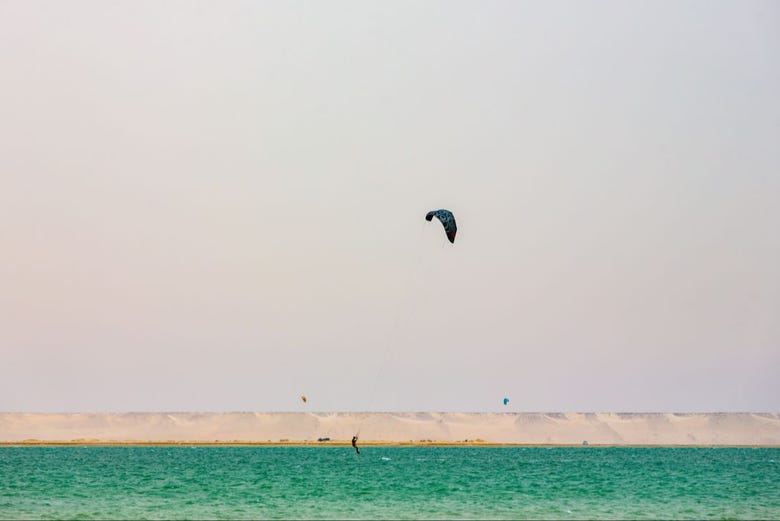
(244, 465)
(394, 428)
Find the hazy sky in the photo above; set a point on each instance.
(220, 205)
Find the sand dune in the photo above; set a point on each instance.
(503, 428)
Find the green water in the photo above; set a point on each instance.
(388, 482)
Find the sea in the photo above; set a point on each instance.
(248, 482)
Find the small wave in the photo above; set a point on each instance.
(384, 458)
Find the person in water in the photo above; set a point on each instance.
(354, 443)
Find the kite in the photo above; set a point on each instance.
(447, 220)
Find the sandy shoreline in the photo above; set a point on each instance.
(392, 429)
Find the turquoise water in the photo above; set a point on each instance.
(388, 482)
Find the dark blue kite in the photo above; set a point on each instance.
(447, 220)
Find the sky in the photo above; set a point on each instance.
(219, 206)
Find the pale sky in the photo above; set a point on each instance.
(219, 206)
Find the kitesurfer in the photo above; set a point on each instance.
(354, 443)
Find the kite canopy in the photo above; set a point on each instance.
(303, 398)
(447, 220)
(506, 401)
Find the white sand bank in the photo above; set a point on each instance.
(512, 428)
